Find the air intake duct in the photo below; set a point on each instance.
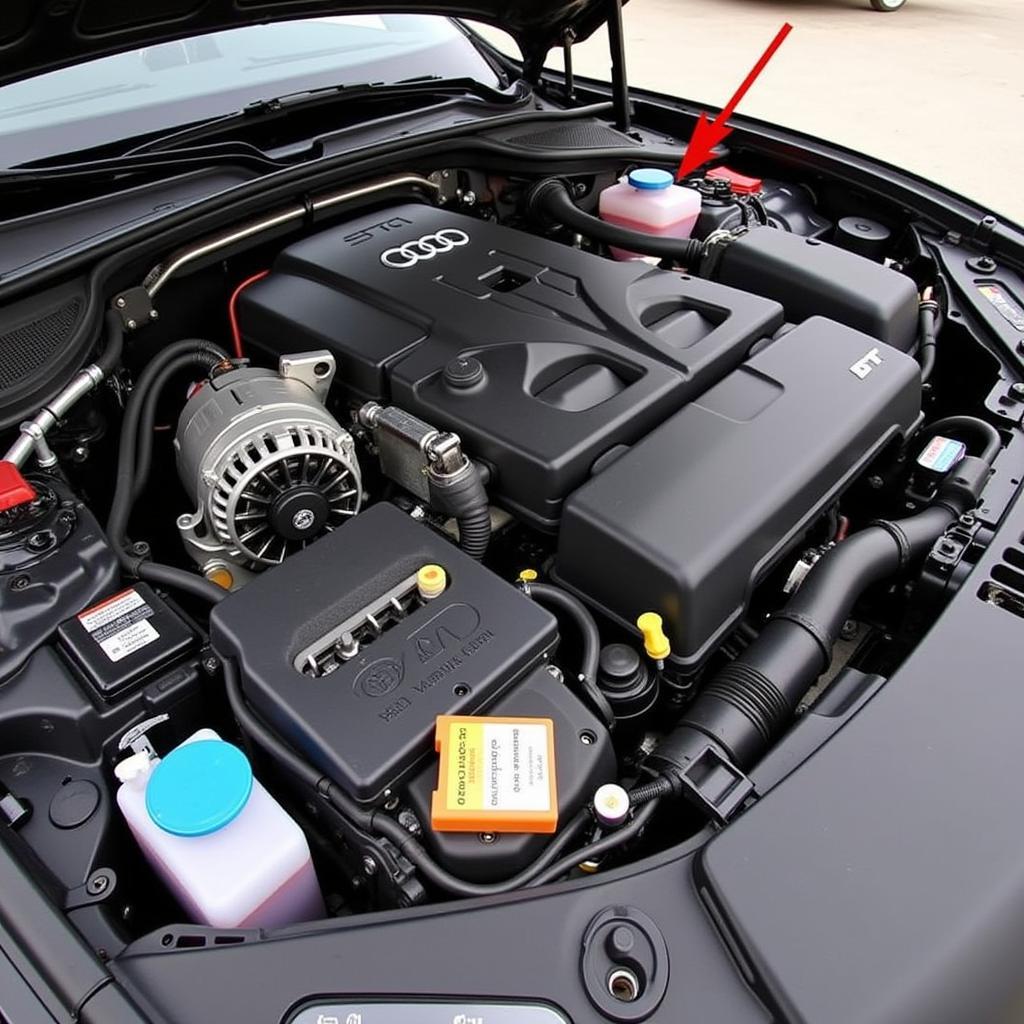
(751, 701)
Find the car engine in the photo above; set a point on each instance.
(492, 542)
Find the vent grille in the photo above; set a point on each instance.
(28, 349)
(576, 136)
(1005, 587)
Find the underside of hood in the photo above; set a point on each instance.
(37, 37)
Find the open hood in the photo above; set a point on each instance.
(37, 37)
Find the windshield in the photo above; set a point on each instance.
(172, 84)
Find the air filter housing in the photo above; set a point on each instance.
(268, 466)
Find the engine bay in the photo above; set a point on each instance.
(456, 547)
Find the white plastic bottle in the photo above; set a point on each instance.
(229, 852)
(649, 201)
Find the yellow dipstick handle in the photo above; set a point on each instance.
(431, 581)
(527, 576)
(655, 642)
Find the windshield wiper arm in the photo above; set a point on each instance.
(424, 87)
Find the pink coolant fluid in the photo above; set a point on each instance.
(648, 200)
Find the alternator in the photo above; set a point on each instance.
(268, 466)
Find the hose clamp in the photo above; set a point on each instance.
(901, 539)
(824, 640)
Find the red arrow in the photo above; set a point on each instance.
(709, 134)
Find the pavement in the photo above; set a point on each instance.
(936, 87)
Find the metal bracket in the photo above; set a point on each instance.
(135, 307)
(314, 369)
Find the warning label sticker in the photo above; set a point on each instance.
(1009, 310)
(119, 624)
(496, 774)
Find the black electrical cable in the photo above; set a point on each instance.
(550, 199)
(545, 593)
(928, 313)
(976, 430)
(599, 847)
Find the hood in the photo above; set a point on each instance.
(37, 37)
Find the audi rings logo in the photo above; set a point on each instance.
(408, 254)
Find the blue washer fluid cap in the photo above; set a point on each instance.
(199, 787)
(650, 177)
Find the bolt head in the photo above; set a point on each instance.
(131, 325)
(120, 302)
(97, 885)
(369, 866)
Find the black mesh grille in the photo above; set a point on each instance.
(24, 351)
(575, 136)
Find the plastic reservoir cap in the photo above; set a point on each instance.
(650, 178)
(199, 788)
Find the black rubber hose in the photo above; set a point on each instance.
(981, 433)
(928, 313)
(461, 494)
(565, 602)
(750, 701)
(201, 361)
(113, 344)
(550, 200)
(120, 509)
(170, 576)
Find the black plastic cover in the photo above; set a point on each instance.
(580, 767)
(371, 720)
(693, 516)
(154, 634)
(579, 353)
(813, 278)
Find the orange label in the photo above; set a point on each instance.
(495, 775)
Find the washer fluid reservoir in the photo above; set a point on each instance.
(229, 852)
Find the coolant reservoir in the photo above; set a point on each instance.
(648, 200)
(229, 852)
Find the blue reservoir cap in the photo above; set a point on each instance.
(650, 177)
(199, 787)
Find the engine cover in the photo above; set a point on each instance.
(691, 518)
(541, 357)
(339, 654)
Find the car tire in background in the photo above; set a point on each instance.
(887, 5)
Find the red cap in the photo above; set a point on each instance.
(741, 184)
(15, 490)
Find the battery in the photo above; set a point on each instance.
(496, 775)
(124, 638)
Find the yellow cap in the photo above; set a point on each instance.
(655, 642)
(527, 576)
(221, 576)
(431, 581)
